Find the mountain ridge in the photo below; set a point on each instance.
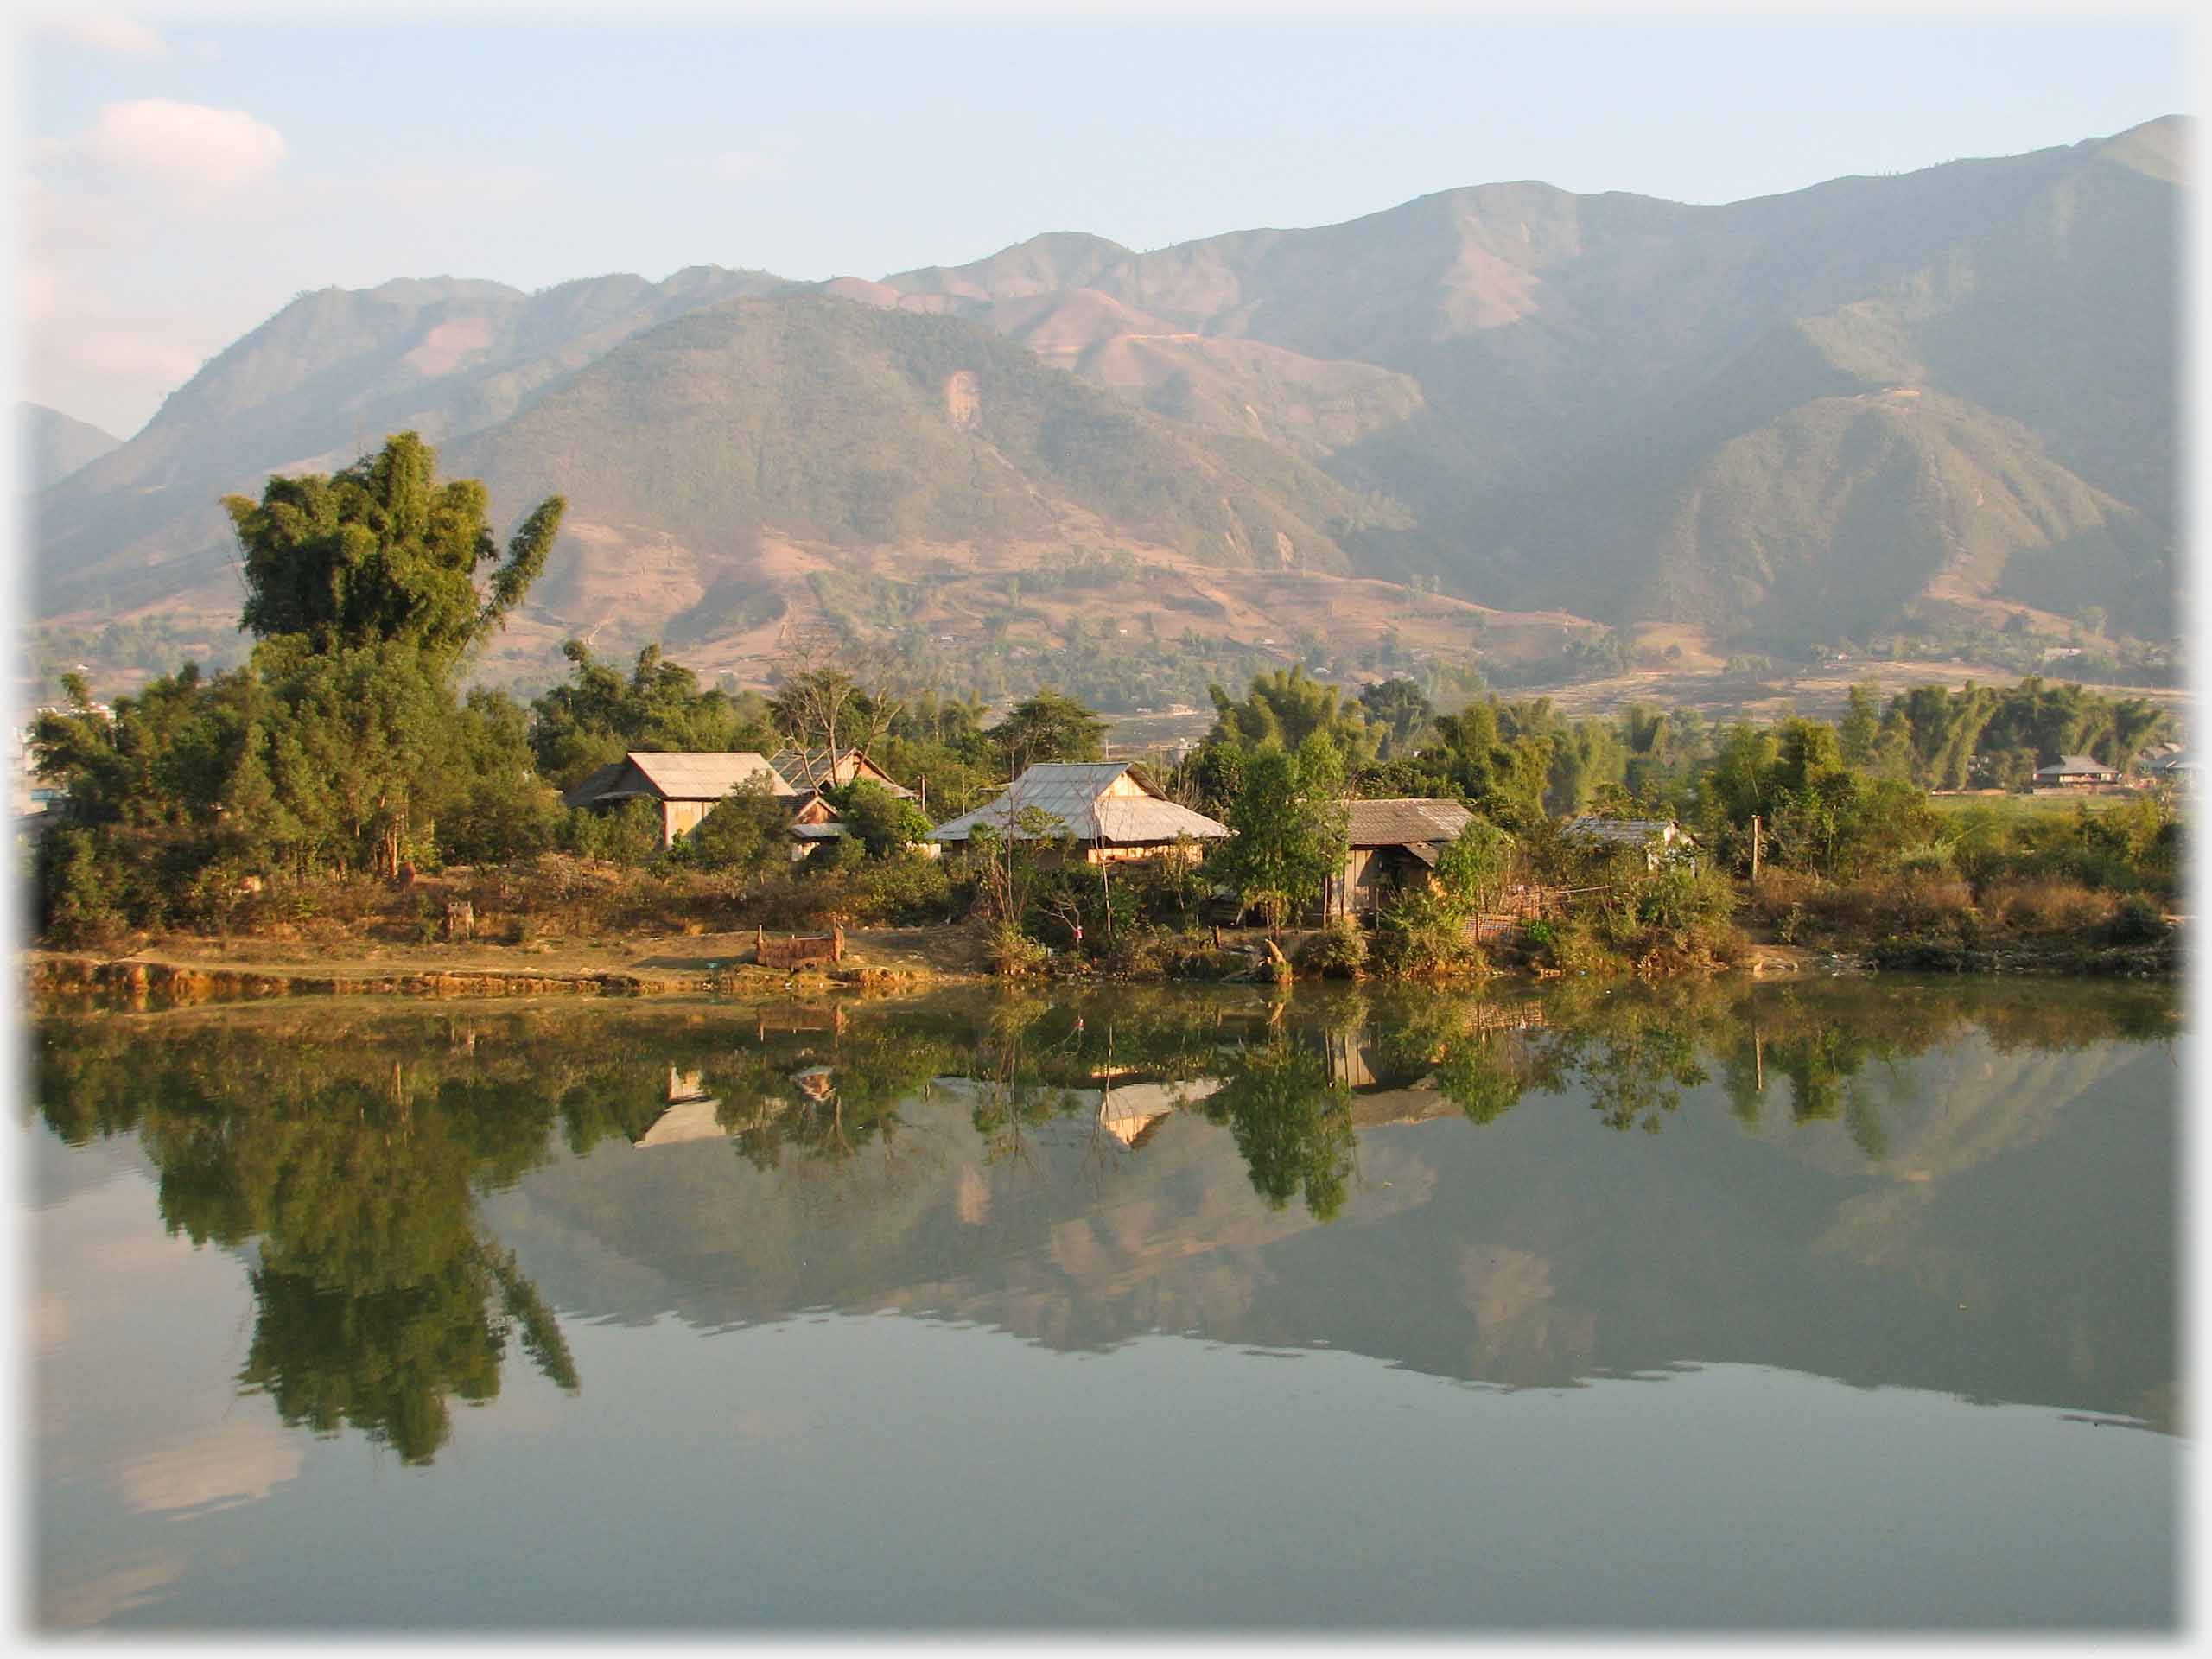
(1608, 405)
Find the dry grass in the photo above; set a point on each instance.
(2045, 905)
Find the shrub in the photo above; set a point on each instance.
(2047, 904)
(1011, 952)
(1423, 934)
(1574, 947)
(1337, 952)
(2136, 921)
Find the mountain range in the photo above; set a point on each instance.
(56, 445)
(1942, 397)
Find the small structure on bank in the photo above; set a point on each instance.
(833, 769)
(1663, 840)
(688, 785)
(1106, 809)
(2074, 772)
(1392, 844)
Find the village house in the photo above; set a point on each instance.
(687, 785)
(2179, 768)
(1663, 840)
(1102, 805)
(833, 769)
(1393, 844)
(2074, 772)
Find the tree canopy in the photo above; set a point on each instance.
(383, 552)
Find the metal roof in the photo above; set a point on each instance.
(597, 785)
(1074, 794)
(1404, 822)
(839, 766)
(2067, 763)
(1635, 831)
(678, 776)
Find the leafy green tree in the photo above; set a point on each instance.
(1047, 726)
(598, 715)
(1286, 707)
(1289, 827)
(748, 833)
(884, 823)
(382, 552)
(1399, 715)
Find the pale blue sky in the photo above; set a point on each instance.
(288, 156)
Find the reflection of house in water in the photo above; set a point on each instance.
(690, 1115)
(1132, 1112)
(1405, 1092)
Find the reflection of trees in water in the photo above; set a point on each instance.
(1290, 1121)
(1634, 1049)
(353, 1168)
(351, 1147)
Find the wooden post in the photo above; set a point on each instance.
(1755, 847)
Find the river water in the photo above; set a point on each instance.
(1845, 1305)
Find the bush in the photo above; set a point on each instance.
(2047, 905)
(1572, 947)
(2137, 921)
(1011, 952)
(1337, 952)
(1423, 934)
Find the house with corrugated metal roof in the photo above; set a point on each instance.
(2073, 770)
(1105, 808)
(1391, 844)
(687, 786)
(834, 768)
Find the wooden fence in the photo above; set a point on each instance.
(800, 949)
(1520, 905)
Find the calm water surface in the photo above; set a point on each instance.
(1850, 1304)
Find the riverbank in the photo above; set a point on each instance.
(177, 972)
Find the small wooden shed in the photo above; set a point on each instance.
(1392, 843)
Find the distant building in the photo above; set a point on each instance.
(833, 769)
(687, 785)
(2074, 772)
(1662, 839)
(1100, 804)
(2180, 769)
(1392, 844)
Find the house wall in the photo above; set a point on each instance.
(1352, 891)
(1096, 853)
(679, 818)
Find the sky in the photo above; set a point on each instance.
(180, 180)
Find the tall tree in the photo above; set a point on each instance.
(1047, 726)
(383, 552)
(1289, 824)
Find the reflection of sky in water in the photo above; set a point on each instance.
(1534, 1373)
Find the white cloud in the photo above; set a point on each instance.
(106, 34)
(191, 143)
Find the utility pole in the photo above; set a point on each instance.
(1755, 847)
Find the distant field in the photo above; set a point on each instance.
(2047, 803)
